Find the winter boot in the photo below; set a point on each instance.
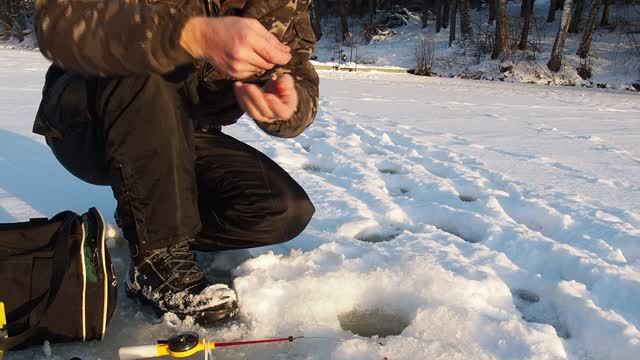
(171, 281)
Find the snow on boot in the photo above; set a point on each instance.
(171, 281)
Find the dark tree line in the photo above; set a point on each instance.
(580, 17)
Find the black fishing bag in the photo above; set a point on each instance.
(56, 279)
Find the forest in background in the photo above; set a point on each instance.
(500, 36)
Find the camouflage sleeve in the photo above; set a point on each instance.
(113, 37)
(307, 81)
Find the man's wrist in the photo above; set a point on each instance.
(190, 37)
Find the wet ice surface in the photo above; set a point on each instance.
(440, 232)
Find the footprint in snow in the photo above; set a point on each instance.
(452, 230)
(535, 309)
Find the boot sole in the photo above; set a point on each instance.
(205, 318)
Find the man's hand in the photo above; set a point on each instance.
(240, 47)
(276, 100)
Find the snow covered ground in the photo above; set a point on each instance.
(455, 219)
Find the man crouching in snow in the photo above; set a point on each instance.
(136, 98)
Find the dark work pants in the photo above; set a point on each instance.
(171, 183)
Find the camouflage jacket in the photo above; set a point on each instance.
(123, 37)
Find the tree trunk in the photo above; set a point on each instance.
(577, 16)
(501, 29)
(524, 35)
(587, 35)
(445, 13)
(438, 15)
(425, 13)
(555, 62)
(465, 18)
(492, 11)
(605, 13)
(552, 10)
(344, 25)
(355, 8)
(452, 22)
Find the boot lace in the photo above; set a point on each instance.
(182, 262)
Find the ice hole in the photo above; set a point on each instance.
(376, 235)
(533, 310)
(376, 322)
(316, 168)
(526, 295)
(453, 231)
(468, 198)
(390, 171)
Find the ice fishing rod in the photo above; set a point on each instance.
(187, 343)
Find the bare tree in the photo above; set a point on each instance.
(438, 15)
(445, 13)
(605, 13)
(425, 13)
(501, 29)
(465, 18)
(577, 16)
(492, 11)
(344, 24)
(552, 10)
(555, 62)
(452, 22)
(587, 35)
(424, 56)
(372, 7)
(524, 35)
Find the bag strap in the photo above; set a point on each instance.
(59, 269)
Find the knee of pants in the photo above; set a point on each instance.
(294, 220)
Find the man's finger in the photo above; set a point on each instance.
(270, 38)
(256, 60)
(246, 103)
(243, 70)
(281, 110)
(258, 100)
(243, 75)
(270, 53)
(240, 95)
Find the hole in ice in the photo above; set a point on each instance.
(390, 171)
(316, 168)
(389, 167)
(376, 322)
(526, 295)
(535, 310)
(453, 231)
(376, 235)
(468, 198)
